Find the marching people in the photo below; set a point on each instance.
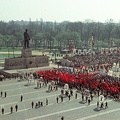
(36, 105)
(3, 110)
(5, 94)
(39, 104)
(82, 97)
(57, 99)
(48, 87)
(43, 84)
(66, 93)
(56, 87)
(97, 104)
(37, 84)
(71, 92)
(11, 109)
(16, 107)
(76, 95)
(91, 97)
(102, 105)
(61, 98)
(40, 84)
(51, 87)
(46, 101)
(21, 98)
(88, 101)
(106, 105)
(62, 118)
(69, 96)
(32, 104)
(62, 92)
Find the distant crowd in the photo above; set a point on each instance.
(95, 60)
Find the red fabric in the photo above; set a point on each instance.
(104, 51)
(88, 80)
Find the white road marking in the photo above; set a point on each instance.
(21, 110)
(99, 114)
(25, 93)
(63, 111)
(13, 84)
(18, 88)
(31, 99)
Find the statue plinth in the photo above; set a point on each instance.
(26, 60)
(26, 52)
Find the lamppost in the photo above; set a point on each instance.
(55, 55)
(8, 48)
(13, 52)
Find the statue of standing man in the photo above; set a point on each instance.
(26, 39)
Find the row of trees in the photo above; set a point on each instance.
(53, 34)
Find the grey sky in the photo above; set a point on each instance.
(60, 10)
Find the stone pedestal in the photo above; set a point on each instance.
(26, 61)
(27, 52)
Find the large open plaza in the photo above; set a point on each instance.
(73, 109)
(59, 60)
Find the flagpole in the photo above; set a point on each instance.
(91, 47)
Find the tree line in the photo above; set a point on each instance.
(57, 35)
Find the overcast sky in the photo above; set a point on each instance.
(60, 10)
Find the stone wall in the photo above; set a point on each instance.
(14, 63)
(26, 62)
(26, 52)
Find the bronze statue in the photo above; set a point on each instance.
(26, 39)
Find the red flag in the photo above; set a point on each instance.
(81, 67)
(71, 40)
(104, 51)
(109, 52)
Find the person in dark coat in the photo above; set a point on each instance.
(61, 98)
(71, 92)
(36, 105)
(32, 104)
(21, 98)
(46, 101)
(16, 107)
(69, 96)
(11, 109)
(76, 96)
(3, 110)
(57, 99)
(39, 104)
(62, 118)
(88, 101)
(5, 94)
(106, 105)
(97, 104)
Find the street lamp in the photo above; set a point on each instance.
(13, 52)
(8, 48)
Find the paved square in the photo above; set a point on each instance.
(71, 110)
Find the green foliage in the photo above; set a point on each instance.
(54, 35)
